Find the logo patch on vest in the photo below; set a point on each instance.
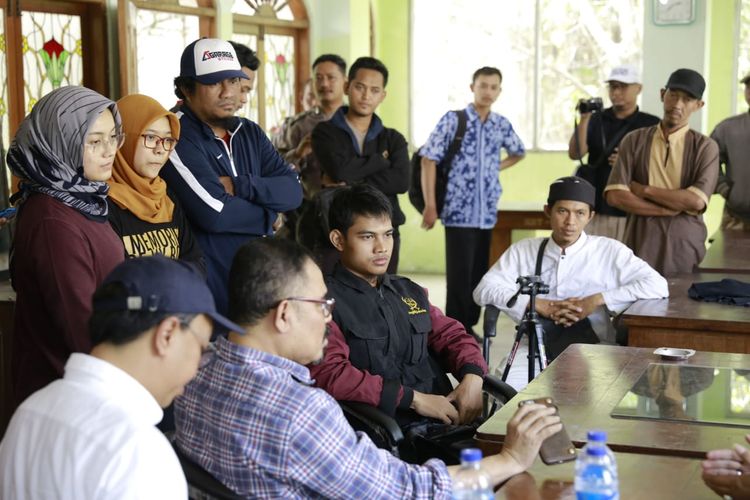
(413, 306)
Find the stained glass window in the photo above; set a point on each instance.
(250, 111)
(4, 125)
(263, 7)
(278, 61)
(51, 48)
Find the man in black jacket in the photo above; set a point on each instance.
(354, 147)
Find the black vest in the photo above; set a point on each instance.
(386, 328)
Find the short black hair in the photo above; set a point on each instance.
(358, 200)
(264, 272)
(122, 327)
(334, 58)
(184, 86)
(369, 63)
(487, 71)
(246, 56)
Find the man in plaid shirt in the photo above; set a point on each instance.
(252, 419)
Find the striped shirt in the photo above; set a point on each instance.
(254, 422)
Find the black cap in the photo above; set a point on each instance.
(688, 80)
(159, 284)
(571, 189)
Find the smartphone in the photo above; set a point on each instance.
(8, 213)
(557, 448)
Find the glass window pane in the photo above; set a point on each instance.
(580, 42)
(250, 111)
(157, 69)
(51, 48)
(278, 63)
(496, 33)
(743, 54)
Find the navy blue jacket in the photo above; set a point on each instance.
(264, 184)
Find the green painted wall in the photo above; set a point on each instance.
(423, 251)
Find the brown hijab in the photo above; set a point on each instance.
(145, 198)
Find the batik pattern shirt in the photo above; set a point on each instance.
(473, 184)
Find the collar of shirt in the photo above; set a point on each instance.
(348, 278)
(137, 402)
(572, 249)
(677, 135)
(473, 115)
(242, 355)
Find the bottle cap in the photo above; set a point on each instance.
(596, 451)
(597, 435)
(471, 455)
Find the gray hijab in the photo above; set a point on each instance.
(47, 151)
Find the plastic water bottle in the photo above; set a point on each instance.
(596, 476)
(599, 438)
(471, 483)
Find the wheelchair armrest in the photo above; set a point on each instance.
(491, 314)
(371, 420)
(498, 389)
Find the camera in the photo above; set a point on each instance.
(529, 285)
(593, 105)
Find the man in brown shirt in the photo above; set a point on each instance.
(663, 179)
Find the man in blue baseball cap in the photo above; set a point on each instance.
(228, 177)
(92, 433)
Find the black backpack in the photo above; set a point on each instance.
(443, 169)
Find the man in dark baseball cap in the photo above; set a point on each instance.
(688, 80)
(664, 178)
(92, 433)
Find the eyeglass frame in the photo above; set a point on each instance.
(119, 138)
(326, 305)
(207, 353)
(160, 140)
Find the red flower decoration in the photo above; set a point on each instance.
(53, 48)
(280, 59)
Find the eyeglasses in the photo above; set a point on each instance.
(153, 140)
(326, 305)
(114, 141)
(207, 353)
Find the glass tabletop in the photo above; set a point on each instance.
(689, 393)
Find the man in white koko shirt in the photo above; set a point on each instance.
(591, 278)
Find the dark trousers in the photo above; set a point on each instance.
(467, 255)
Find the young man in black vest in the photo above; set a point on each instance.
(388, 345)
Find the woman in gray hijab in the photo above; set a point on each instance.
(63, 246)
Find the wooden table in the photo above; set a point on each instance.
(680, 321)
(515, 215)
(640, 477)
(588, 381)
(729, 253)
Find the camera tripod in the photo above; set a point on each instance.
(529, 326)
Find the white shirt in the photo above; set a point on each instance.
(593, 264)
(89, 435)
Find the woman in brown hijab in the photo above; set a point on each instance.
(142, 211)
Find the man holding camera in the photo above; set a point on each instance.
(590, 278)
(599, 134)
(663, 179)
